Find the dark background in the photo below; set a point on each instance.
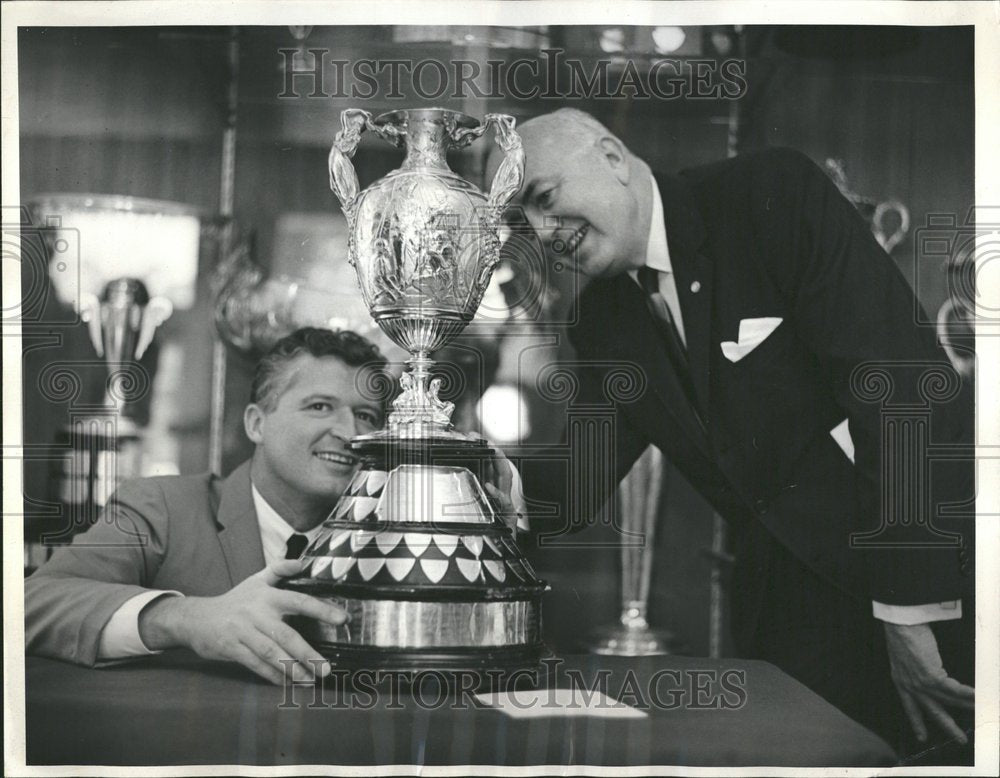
(141, 112)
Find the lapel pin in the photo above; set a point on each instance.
(696, 286)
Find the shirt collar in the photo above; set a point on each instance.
(657, 253)
(274, 530)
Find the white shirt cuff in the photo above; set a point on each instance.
(120, 636)
(908, 615)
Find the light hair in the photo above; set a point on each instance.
(579, 124)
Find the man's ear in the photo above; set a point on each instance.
(253, 420)
(616, 155)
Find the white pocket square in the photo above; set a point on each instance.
(842, 434)
(752, 333)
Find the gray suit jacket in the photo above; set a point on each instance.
(195, 534)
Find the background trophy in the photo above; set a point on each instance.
(123, 266)
(105, 443)
(121, 323)
(957, 315)
(415, 550)
(639, 503)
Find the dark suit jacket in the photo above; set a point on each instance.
(768, 235)
(195, 534)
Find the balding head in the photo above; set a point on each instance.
(585, 194)
(570, 124)
(555, 132)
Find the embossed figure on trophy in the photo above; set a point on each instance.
(439, 263)
(411, 404)
(385, 258)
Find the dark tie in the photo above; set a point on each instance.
(296, 545)
(676, 353)
(650, 281)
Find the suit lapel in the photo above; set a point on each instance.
(693, 275)
(239, 532)
(645, 347)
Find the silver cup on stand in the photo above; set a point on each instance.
(415, 550)
(121, 323)
(123, 266)
(639, 502)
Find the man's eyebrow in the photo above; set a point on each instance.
(318, 396)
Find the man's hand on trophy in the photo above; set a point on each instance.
(244, 625)
(503, 484)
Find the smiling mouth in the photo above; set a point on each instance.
(337, 457)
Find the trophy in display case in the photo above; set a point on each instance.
(415, 551)
(121, 323)
(135, 263)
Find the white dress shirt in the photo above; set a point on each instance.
(274, 530)
(658, 258)
(120, 636)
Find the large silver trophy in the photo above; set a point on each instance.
(415, 550)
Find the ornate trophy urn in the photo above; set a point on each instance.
(415, 550)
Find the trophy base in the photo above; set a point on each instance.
(430, 577)
(437, 672)
(495, 663)
(626, 641)
(407, 629)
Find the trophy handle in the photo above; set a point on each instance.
(89, 308)
(889, 242)
(343, 178)
(510, 175)
(157, 311)
(948, 315)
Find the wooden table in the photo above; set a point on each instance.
(177, 709)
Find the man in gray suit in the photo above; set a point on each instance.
(192, 561)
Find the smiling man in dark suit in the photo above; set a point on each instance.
(192, 561)
(754, 299)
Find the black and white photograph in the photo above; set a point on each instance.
(501, 388)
